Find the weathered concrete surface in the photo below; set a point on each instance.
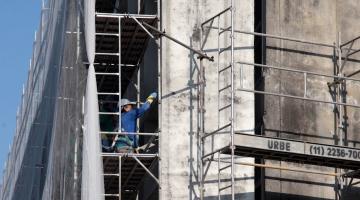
(179, 148)
(314, 20)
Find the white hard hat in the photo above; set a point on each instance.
(125, 102)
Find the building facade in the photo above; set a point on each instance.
(249, 95)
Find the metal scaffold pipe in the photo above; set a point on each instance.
(282, 168)
(232, 103)
(202, 55)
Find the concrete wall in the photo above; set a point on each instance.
(180, 147)
(320, 21)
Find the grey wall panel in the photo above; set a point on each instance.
(319, 21)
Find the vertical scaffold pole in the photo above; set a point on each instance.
(232, 103)
(159, 44)
(138, 98)
(218, 69)
(340, 74)
(338, 114)
(120, 177)
(340, 128)
(201, 121)
(119, 122)
(219, 182)
(341, 107)
(119, 104)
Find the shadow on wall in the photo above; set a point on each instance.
(244, 196)
(351, 193)
(193, 134)
(283, 196)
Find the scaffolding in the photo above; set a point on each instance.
(121, 42)
(123, 172)
(344, 159)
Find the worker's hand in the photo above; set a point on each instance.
(153, 95)
(151, 98)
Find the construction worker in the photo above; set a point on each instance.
(129, 115)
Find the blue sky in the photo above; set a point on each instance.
(19, 20)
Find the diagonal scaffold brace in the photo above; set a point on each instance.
(201, 55)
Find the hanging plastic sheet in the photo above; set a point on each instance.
(89, 17)
(92, 178)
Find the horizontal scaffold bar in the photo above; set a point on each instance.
(117, 15)
(109, 113)
(107, 74)
(106, 54)
(338, 78)
(277, 37)
(281, 168)
(297, 97)
(111, 195)
(129, 155)
(107, 34)
(108, 93)
(111, 64)
(126, 133)
(298, 71)
(111, 174)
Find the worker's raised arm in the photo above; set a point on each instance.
(146, 105)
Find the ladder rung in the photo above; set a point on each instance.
(224, 88)
(224, 49)
(224, 69)
(138, 155)
(224, 188)
(108, 93)
(110, 65)
(126, 133)
(221, 169)
(111, 175)
(108, 54)
(107, 74)
(224, 30)
(225, 107)
(111, 195)
(128, 65)
(107, 34)
(108, 113)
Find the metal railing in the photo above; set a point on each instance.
(336, 87)
(220, 90)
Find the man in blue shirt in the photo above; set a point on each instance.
(129, 115)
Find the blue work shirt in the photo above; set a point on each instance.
(128, 121)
